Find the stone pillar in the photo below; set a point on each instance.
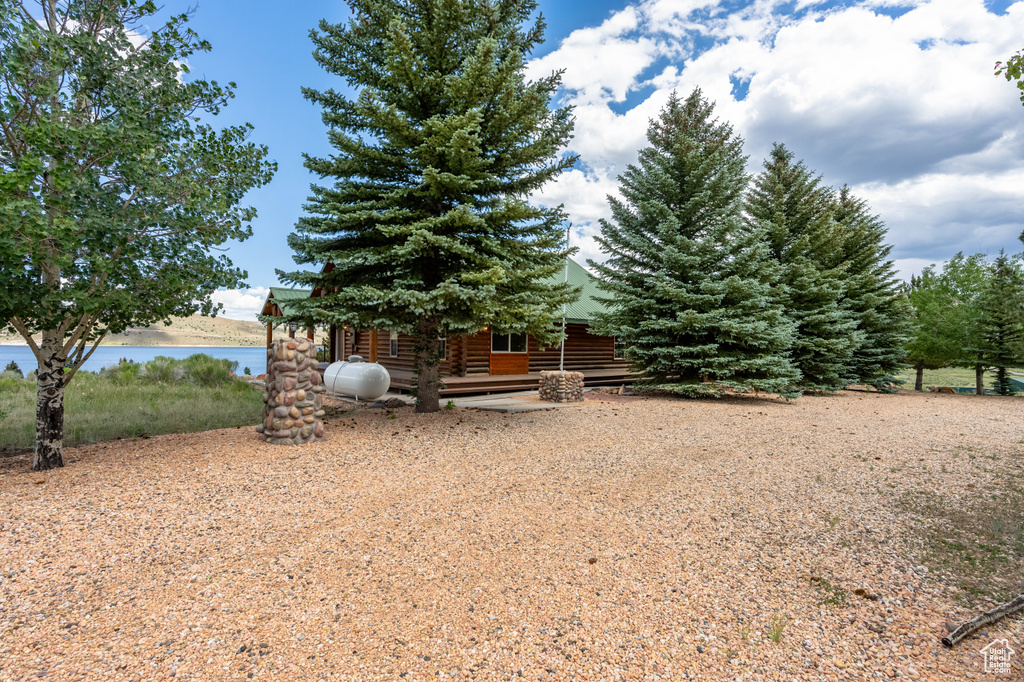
(561, 387)
(293, 402)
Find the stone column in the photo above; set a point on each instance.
(293, 401)
(561, 387)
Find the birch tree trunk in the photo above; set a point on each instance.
(49, 450)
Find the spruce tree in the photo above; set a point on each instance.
(439, 146)
(873, 294)
(1001, 321)
(689, 281)
(789, 204)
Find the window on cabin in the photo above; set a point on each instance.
(508, 343)
(620, 349)
(394, 344)
(442, 348)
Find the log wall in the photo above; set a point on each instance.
(583, 350)
(471, 354)
(369, 344)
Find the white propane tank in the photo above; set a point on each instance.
(361, 380)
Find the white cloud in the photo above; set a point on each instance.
(906, 267)
(603, 62)
(938, 214)
(241, 304)
(906, 109)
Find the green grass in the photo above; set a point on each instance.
(776, 626)
(949, 376)
(99, 408)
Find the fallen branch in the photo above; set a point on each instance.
(984, 619)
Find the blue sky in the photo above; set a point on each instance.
(894, 97)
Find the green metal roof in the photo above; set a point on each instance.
(281, 296)
(582, 310)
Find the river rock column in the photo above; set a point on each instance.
(293, 401)
(561, 387)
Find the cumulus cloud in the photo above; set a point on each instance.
(241, 304)
(901, 105)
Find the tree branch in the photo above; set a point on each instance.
(23, 330)
(81, 361)
(81, 332)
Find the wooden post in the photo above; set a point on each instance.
(332, 344)
(270, 342)
(373, 346)
(309, 333)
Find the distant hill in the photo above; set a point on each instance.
(188, 331)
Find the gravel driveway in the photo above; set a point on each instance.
(618, 539)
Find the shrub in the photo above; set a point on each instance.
(203, 370)
(12, 366)
(247, 372)
(12, 383)
(162, 370)
(123, 373)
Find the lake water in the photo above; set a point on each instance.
(253, 357)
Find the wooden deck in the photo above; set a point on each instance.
(485, 383)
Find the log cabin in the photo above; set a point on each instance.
(486, 362)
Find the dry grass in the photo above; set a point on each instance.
(951, 376)
(97, 409)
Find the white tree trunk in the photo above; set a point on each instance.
(49, 450)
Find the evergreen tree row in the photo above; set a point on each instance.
(424, 217)
(971, 314)
(716, 282)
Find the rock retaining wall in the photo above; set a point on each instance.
(561, 387)
(292, 403)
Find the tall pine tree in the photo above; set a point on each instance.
(1000, 324)
(789, 204)
(873, 293)
(689, 282)
(427, 221)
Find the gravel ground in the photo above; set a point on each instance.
(619, 539)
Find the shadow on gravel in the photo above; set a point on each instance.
(14, 460)
(974, 536)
